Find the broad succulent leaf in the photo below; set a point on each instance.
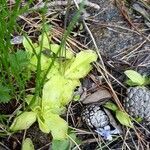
(58, 92)
(131, 83)
(54, 70)
(45, 62)
(66, 144)
(60, 144)
(135, 77)
(43, 125)
(68, 90)
(27, 144)
(53, 123)
(66, 53)
(52, 92)
(55, 47)
(23, 121)
(81, 65)
(44, 39)
(58, 126)
(124, 118)
(111, 106)
(28, 45)
(36, 104)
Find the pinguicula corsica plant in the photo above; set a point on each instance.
(57, 91)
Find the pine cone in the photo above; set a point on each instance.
(95, 117)
(137, 103)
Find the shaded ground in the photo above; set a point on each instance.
(121, 39)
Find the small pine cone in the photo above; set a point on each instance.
(95, 117)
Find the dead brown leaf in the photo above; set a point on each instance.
(98, 96)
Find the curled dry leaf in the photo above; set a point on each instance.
(100, 95)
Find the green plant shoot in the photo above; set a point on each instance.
(57, 91)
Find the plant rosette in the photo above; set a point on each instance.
(57, 91)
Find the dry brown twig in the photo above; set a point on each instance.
(64, 3)
(122, 8)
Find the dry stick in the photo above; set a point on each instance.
(109, 84)
(60, 3)
(138, 136)
(124, 51)
(116, 26)
(69, 111)
(91, 133)
(80, 131)
(121, 7)
(4, 146)
(44, 147)
(102, 66)
(71, 41)
(132, 139)
(65, 3)
(132, 52)
(24, 136)
(74, 142)
(97, 65)
(141, 44)
(124, 140)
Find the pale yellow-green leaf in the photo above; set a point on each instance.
(80, 67)
(23, 121)
(57, 126)
(53, 108)
(53, 123)
(68, 90)
(76, 97)
(43, 124)
(52, 92)
(54, 70)
(37, 49)
(45, 62)
(28, 45)
(36, 45)
(124, 118)
(135, 77)
(36, 104)
(111, 106)
(67, 53)
(58, 92)
(27, 144)
(45, 39)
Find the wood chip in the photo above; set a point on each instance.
(98, 96)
